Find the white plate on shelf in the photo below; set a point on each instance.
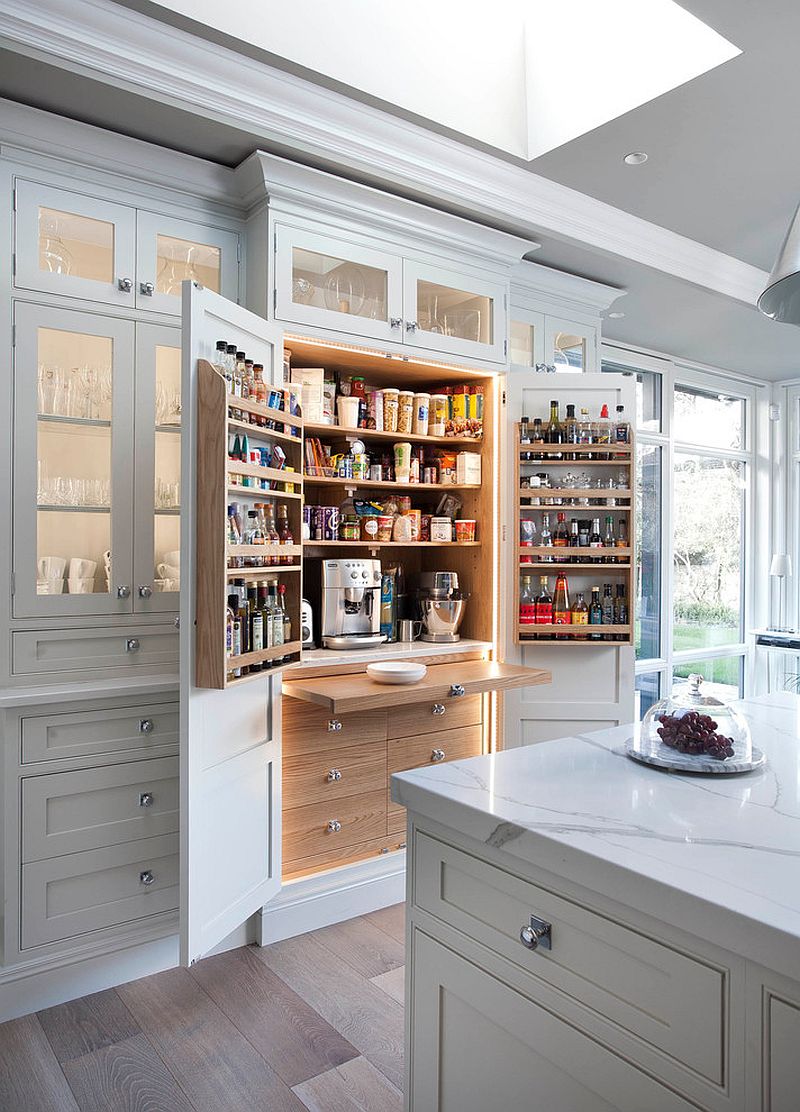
(396, 671)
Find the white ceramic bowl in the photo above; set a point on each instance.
(396, 671)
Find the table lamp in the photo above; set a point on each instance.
(779, 569)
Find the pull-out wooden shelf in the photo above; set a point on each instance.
(343, 694)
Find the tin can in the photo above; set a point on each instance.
(316, 523)
(375, 473)
(330, 523)
(360, 466)
(429, 475)
(425, 527)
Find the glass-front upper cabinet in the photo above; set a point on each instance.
(323, 281)
(453, 313)
(73, 463)
(71, 244)
(169, 251)
(525, 339)
(570, 346)
(157, 483)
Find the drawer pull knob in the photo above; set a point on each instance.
(334, 775)
(147, 877)
(456, 690)
(132, 645)
(334, 725)
(147, 288)
(334, 826)
(146, 799)
(146, 725)
(145, 591)
(125, 284)
(439, 708)
(123, 592)
(437, 755)
(536, 936)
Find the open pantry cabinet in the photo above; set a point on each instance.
(592, 666)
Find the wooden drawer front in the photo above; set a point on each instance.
(82, 892)
(413, 752)
(305, 829)
(418, 718)
(312, 777)
(671, 1001)
(52, 737)
(309, 729)
(76, 650)
(68, 812)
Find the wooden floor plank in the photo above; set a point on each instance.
(30, 1077)
(392, 920)
(368, 949)
(82, 1026)
(125, 1076)
(393, 982)
(294, 1038)
(364, 1014)
(213, 1062)
(355, 1086)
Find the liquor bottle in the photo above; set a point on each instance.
(284, 530)
(527, 602)
(585, 432)
(621, 610)
(607, 606)
(271, 533)
(276, 615)
(287, 618)
(603, 426)
(622, 430)
(266, 616)
(256, 625)
(555, 432)
(596, 613)
(234, 623)
(524, 432)
(609, 540)
(584, 532)
(580, 611)
(595, 540)
(561, 538)
(241, 374)
(574, 539)
(527, 538)
(544, 604)
(561, 612)
(622, 539)
(546, 538)
(230, 353)
(570, 431)
(537, 438)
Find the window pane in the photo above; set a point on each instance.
(713, 420)
(648, 395)
(723, 676)
(707, 553)
(648, 551)
(648, 691)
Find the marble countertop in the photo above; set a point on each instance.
(399, 650)
(678, 847)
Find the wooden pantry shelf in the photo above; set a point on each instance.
(575, 492)
(573, 630)
(264, 491)
(261, 573)
(580, 450)
(375, 434)
(263, 656)
(256, 471)
(555, 567)
(391, 544)
(552, 461)
(551, 550)
(369, 484)
(247, 405)
(261, 433)
(264, 550)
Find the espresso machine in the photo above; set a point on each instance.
(351, 603)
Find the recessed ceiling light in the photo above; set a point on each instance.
(635, 158)
(616, 316)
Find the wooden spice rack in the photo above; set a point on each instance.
(587, 567)
(215, 429)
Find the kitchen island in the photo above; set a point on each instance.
(586, 933)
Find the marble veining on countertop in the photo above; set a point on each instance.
(732, 841)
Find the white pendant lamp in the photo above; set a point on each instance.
(781, 299)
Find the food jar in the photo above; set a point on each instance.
(385, 526)
(465, 529)
(369, 527)
(375, 410)
(422, 403)
(441, 529)
(437, 423)
(350, 528)
(402, 462)
(402, 529)
(405, 410)
(425, 527)
(390, 404)
(415, 517)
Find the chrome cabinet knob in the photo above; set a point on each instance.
(125, 284)
(145, 591)
(437, 755)
(395, 322)
(439, 708)
(146, 799)
(411, 326)
(334, 775)
(456, 690)
(334, 725)
(146, 725)
(132, 645)
(177, 623)
(123, 592)
(334, 826)
(537, 935)
(147, 288)
(147, 877)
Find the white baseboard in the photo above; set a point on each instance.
(313, 902)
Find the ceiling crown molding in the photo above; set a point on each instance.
(114, 44)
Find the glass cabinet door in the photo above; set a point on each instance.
(570, 346)
(334, 284)
(71, 244)
(157, 492)
(454, 313)
(525, 338)
(73, 463)
(170, 251)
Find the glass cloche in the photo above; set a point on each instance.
(694, 732)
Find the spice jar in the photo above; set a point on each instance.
(350, 528)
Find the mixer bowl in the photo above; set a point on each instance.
(441, 618)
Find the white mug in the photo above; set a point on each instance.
(173, 558)
(51, 567)
(81, 586)
(167, 584)
(50, 586)
(81, 569)
(107, 558)
(168, 571)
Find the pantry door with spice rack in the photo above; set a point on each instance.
(230, 739)
(593, 682)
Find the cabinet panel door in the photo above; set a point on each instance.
(525, 338)
(477, 1043)
(454, 313)
(569, 346)
(331, 283)
(230, 754)
(157, 483)
(782, 1042)
(73, 463)
(71, 244)
(169, 251)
